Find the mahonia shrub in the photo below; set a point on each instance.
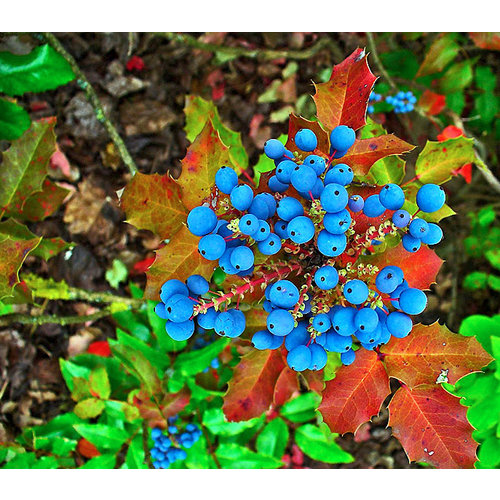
(316, 266)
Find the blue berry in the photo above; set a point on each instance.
(410, 244)
(289, 208)
(356, 203)
(316, 162)
(249, 224)
(262, 340)
(342, 138)
(173, 287)
(207, 320)
(338, 343)
(259, 208)
(197, 284)
(348, 357)
(366, 319)
(298, 336)
(318, 357)
(412, 301)
(242, 258)
(356, 291)
(306, 140)
(280, 322)
(343, 321)
(418, 228)
(284, 171)
(242, 197)
(160, 310)
(226, 179)
(430, 198)
(392, 197)
(276, 186)
(388, 279)
(304, 178)
(201, 220)
(401, 218)
(433, 236)
(225, 262)
(334, 198)
(326, 277)
(280, 228)
(179, 308)
(331, 245)
(212, 246)
(299, 358)
(301, 229)
(337, 223)
(270, 246)
(399, 324)
(284, 294)
(180, 331)
(373, 207)
(263, 231)
(340, 174)
(274, 149)
(321, 322)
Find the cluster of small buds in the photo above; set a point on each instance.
(403, 102)
(170, 446)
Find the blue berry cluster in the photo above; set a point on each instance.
(185, 311)
(168, 447)
(307, 213)
(403, 102)
(374, 97)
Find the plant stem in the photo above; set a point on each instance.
(26, 319)
(241, 290)
(94, 100)
(323, 43)
(373, 49)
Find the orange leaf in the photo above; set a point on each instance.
(153, 202)
(365, 152)
(251, 389)
(179, 259)
(432, 103)
(286, 385)
(420, 268)
(484, 40)
(432, 352)
(87, 449)
(432, 427)
(203, 158)
(355, 394)
(344, 98)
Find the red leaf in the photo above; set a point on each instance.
(135, 63)
(432, 352)
(432, 103)
(432, 427)
(100, 348)
(420, 268)
(179, 259)
(365, 152)
(296, 123)
(355, 394)
(450, 132)
(251, 389)
(484, 40)
(344, 98)
(466, 172)
(286, 385)
(153, 202)
(44, 203)
(87, 449)
(315, 380)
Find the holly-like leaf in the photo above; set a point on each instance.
(439, 160)
(286, 385)
(198, 112)
(153, 202)
(365, 152)
(179, 259)
(442, 51)
(40, 70)
(251, 389)
(483, 40)
(355, 394)
(24, 165)
(432, 354)
(420, 268)
(43, 203)
(344, 98)
(432, 427)
(14, 120)
(296, 123)
(13, 252)
(170, 405)
(203, 158)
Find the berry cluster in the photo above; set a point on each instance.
(306, 211)
(403, 102)
(374, 97)
(168, 448)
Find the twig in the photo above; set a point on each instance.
(373, 49)
(325, 42)
(26, 319)
(94, 100)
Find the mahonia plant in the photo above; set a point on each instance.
(324, 254)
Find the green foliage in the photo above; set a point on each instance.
(481, 391)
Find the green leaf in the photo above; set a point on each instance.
(198, 456)
(301, 408)
(191, 363)
(457, 77)
(198, 112)
(89, 408)
(456, 102)
(14, 120)
(273, 439)
(100, 462)
(70, 371)
(46, 288)
(117, 273)
(157, 359)
(482, 327)
(485, 79)
(104, 437)
(135, 458)
(442, 51)
(139, 365)
(234, 456)
(21, 461)
(489, 453)
(40, 70)
(476, 281)
(321, 446)
(216, 423)
(99, 383)
(24, 165)
(401, 63)
(165, 342)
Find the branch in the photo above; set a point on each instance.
(373, 49)
(26, 319)
(94, 100)
(323, 43)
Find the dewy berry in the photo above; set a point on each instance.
(297, 237)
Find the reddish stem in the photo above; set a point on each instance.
(245, 173)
